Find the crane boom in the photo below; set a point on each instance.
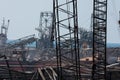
(99, 39)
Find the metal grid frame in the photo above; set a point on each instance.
(44, 29)
(65, 33)
(99, 39)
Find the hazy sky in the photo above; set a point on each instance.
(24, 16)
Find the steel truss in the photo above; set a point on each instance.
(44, 29)
(65, 33)
(99, 39)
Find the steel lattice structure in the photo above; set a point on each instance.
(44, 29)
(65, 33)
(99, 39)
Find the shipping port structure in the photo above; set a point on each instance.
(63, 50)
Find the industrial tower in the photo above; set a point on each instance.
(44, 29)
(65, 33)
(99, 39)
(3, 34)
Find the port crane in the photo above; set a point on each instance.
(71, 40)
(4, 28)
(3, 34)
(44, 29)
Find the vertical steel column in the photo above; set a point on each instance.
(65, 33)
(99, 39)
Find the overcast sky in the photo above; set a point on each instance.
(24, 16)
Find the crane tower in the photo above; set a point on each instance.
(99, 39)
(65, 34)
(3, 34)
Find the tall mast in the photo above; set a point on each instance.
(99, 39)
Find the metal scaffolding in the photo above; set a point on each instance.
(99, 39)
(65, 33)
